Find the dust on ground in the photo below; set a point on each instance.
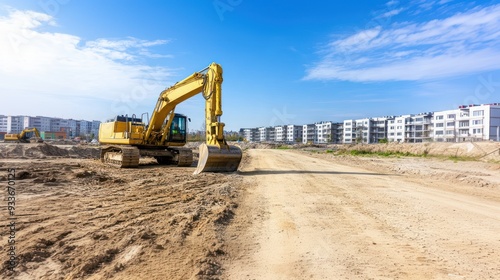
(311, 214)
(80, 219)
(308, 211)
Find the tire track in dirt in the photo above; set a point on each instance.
(304, 217)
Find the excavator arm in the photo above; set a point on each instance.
(21, 137)
(215, 154)
(34, 130)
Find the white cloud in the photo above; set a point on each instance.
(67, 71)
(392, 3)
(359, 39)
(391, 13)
(461, 44)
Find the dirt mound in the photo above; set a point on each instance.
(45, 150)
(257, 145)
(478, 150)
(100, 222)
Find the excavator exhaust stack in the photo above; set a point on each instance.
(215, 159)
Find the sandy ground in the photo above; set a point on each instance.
(286, 214)
(315, 216)
(79, 219)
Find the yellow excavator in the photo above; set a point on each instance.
(25, 136)
(125, 138)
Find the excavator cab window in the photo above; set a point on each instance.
(28, 135)
(178, 129)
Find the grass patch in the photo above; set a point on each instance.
(329, 151)
(462, 158)
(383, 154)
(283, 148)
(407, 154)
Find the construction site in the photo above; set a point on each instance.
(384, 211)
(342, 140)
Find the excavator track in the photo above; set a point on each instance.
(184, 157)
(121, 157)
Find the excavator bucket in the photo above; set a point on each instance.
(215, 159)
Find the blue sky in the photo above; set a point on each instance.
(285, 62)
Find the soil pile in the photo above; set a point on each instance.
(79, 219)
(45, 150)
(486, 150)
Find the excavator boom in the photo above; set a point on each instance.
(215, 155)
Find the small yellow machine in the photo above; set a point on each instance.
(125, 138)
(26, 136)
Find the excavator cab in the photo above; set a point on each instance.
(178, 129)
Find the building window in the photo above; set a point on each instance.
(450, 124)
(400, 133)
(347, 123)
(477, 131)
(451, 116)
(392, 134)
(439, 132)
(399, 127)
(419, 119)
(449, 132)
(476, 122)
(463, 123)
(400, 121)
(347, 129)
(477, 113)
(440, 125)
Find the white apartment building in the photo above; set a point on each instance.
(293, 133)
(266, 134)
(15, 124)
(367, 130)
(41, 123)
(263, 136)
(338, 133)
(280, 133)
(362, 131)
(3, 123)
(74, 128)
(418, 128)
(349, 133)
(250, 134)
(308, 133)
(95, 128)
(396, 128)
(378, 129)
(271, 134)
(85, 127)
(467, 123)
(326, 132)
(444, 126)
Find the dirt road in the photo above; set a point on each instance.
(303, 217)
